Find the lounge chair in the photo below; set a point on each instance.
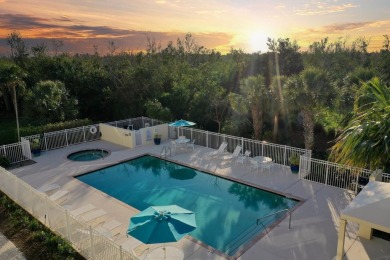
(235, 154)
(81, 210)
(93, 215)
(58, 195)
(221, 150)
(48, 187)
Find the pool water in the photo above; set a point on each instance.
(226, 211)
(88, 155)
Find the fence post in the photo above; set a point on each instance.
(92, 247)
(327, 174)
(357, 183)
(242, 145)
(45, 142)
(66, 137)
(67, 225)
(84, 134)
(262, 148)
(207, 139)
(120, 253)
(285, 155)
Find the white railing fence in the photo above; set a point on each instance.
(385, 177)
(87, 241)
(280, 154)
(67, 137)
(136, 123)
(17, 152)
(333, 174)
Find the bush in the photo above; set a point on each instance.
(33, 130)
(4, 162)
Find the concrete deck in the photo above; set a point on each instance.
(314, 224)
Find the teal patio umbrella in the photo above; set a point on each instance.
(161, 224)
(182, 123)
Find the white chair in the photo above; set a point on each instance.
(220, 150)
(242, 159)
(235, 153)
(266, 165)
(191, 144)
(173, 145)
(254, 164)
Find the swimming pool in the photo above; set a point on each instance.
(226, 211)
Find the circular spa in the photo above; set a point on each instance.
(88, 155)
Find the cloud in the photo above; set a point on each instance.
(322, 8)
(79, 38)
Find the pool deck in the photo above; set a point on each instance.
(314, 226)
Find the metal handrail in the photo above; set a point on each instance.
(269, 215)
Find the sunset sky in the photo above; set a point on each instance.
(215, 24)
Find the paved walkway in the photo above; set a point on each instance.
(8, 250)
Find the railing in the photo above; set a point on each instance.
(273, 214)
(136, 123)
(279, 153)
(333, 174)
(67, 137)
(385, 177)
(17, 152)
(87, 241)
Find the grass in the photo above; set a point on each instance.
(31, 237)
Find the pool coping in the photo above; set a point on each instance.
(242, 249)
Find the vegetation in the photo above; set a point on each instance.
(287, 96)
(30, 236)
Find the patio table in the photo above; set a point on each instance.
(263, 159)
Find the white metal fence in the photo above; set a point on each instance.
(280, 154)
(17, 152)
(333, 174)
(89, 243)
(385, 177)
(136, 123)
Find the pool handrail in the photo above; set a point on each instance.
(269, 215)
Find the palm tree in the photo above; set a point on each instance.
(365, 141)
(252, 97)
(307, 92)
(11, 77)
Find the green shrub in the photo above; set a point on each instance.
(4, 162)
(294, 159)
(33, 130)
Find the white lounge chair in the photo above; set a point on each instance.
(93, 215)
(221, 150)
(58, 195)
(235, 154)
(48, 187)
(81, 210)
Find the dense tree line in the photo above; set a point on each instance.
(288, 96)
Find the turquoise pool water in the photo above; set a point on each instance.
(225, 211)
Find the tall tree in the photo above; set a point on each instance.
(252, 98)
(365, 141)
(307, 92)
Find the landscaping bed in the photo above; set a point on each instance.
(30, 236)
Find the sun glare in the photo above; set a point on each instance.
(257, 42)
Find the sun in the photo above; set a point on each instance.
(257, 41)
